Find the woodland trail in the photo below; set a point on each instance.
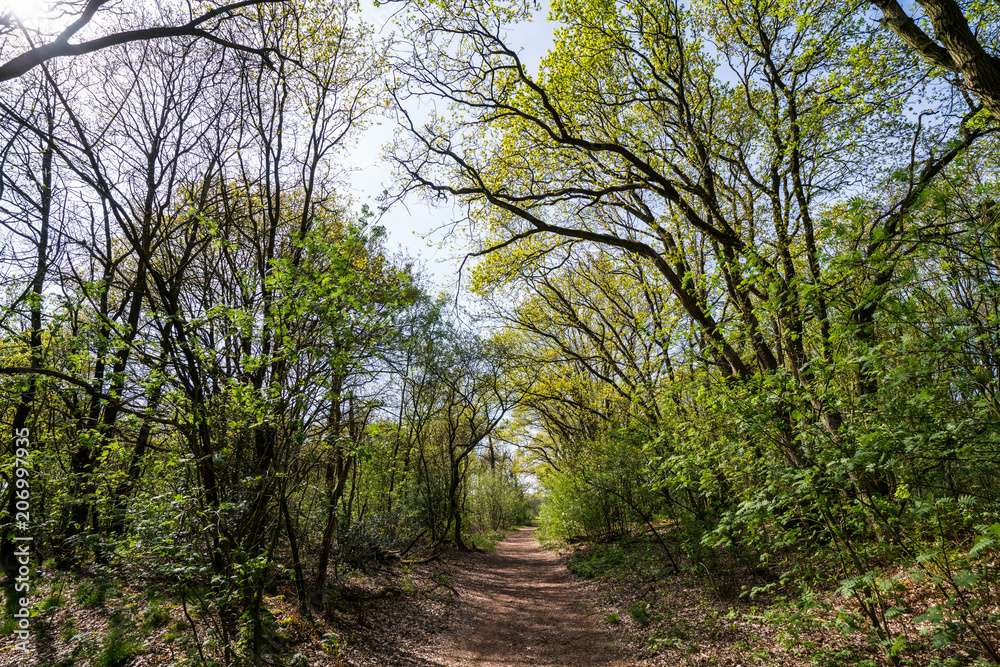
(520, 606)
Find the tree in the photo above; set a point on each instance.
(779, 201)
(652, 155)
(471, 376)
(27, 187)
(85, 15)
(455, 394)
(956, 47)
(216, 285)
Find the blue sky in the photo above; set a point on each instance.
(410, 226)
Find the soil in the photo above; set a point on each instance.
(514, 607)
(517, 606)
(520, 606)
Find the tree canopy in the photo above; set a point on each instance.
(734, 272)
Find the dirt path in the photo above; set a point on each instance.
(520, 606)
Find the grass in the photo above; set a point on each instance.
(639, 611)
(155, 618)
(488, 541)
(92, 594)
(118, 650)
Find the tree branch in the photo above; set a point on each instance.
(959, 50)
(87, 387)
(899, 22)
(61, 47)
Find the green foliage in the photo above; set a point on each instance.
(93, 592)
(119, 647)
(745, 261)
(488, 541)
(808, 386)
(69, 630)
(619, 560)
(601, 494)
(155, 617)
(598, 561)
(335, 647)
(497, 501)
(11, 607)
(639, 611)
(370, 541)
(50, 603)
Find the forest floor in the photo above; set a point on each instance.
(602, 604)
(520, 606)
(513, 607)
(618, 603)
(517, 605)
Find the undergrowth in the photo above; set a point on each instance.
(761, 615)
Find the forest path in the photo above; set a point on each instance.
(520, 606)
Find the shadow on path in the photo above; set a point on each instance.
(520, 606)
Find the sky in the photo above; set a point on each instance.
(22, 8)
(411, 224)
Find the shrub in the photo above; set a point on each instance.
(119, 649)
(639, 612)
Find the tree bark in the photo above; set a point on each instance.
(956, 48)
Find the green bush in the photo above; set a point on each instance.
(639, 611)
(118, 649)
(155, 617)
(497, 500)
(92, 593)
